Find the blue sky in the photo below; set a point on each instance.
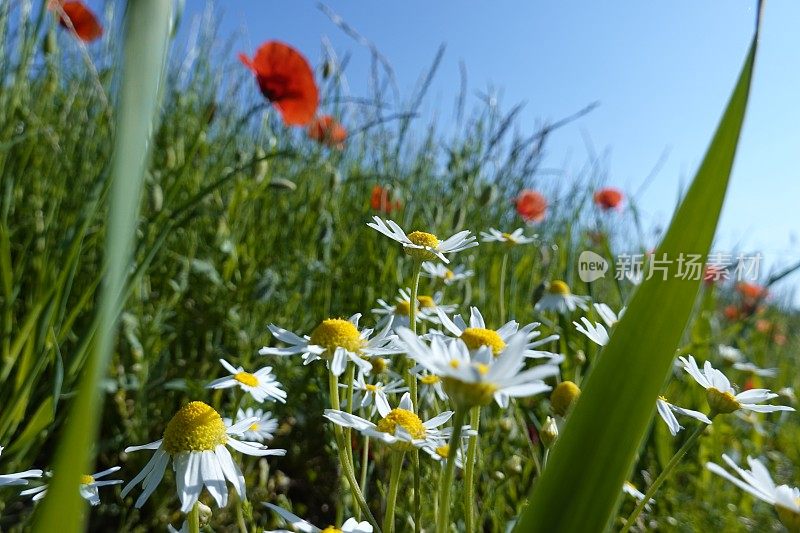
(662, 72)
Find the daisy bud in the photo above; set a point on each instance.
(549, 433)
(563, 397)
(205, 513)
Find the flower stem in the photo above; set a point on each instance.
(443, 518)
(412, 388)
(503, 269)
(673, 462)
(469, 469)
(349, 472)
(394, 485)
(194, 518)
(364, 465)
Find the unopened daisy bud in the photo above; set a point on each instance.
(549, 433)
(564, 397)
(506, 424)
(205, 513)
(580, 357)
(514, 464)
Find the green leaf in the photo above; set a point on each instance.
(580, 488)
(146, 38)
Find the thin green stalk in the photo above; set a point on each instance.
(664, 475)
(503, 269)
(469, 470)
(394, 485)
(443, 517)
(349, 473)
(194, 518)
(412, 387)
(348, 435)
(364, 465)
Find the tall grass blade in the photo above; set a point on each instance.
(147, 30)
(581, 485)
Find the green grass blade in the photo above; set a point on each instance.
(147, 31)
(581, 485)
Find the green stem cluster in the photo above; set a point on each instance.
(469, 470)
(443, 518)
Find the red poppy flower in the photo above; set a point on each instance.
(328, 131)
(608, 198)
(732, 313)
(531, 206)
(751, 291)
(74, 15)
(380, 200)
(286, 80)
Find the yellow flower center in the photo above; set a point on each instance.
(253, 427)
(337, 333)
(379, 364)
(789, 517)
(403, 308)
(509, 238)
(426, 302)
(448, 274)
(721, 402)
(559, 287)
(431, 379)
(246, 378)
(443, 451)
(454, 363)
(482, 368)
(469, 394)
(331, 529)
(371, 388)
(474, 338)
(663, 399)
(563, 397)
(195, 427)
(420, 238)
(405, 419)
(86, 479)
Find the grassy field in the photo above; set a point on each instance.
(244, 222)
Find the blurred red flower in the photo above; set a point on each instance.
(328, 131)
(731, 312)
(531, 205)
(608, 198)
(380, 200)
(74, 15)
(751, 291)
(286, 80)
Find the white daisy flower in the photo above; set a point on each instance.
(365, 393)
(440, 453)
(557, 297)
(750, 368)
(399, 313)
(758, 482)
(596, 332)
(261, 430)
(261, 384)
(448, 276)
(431, 385)
(88, 487)
(18, 478)
(513, 238)
(399, 426)
(607, 315)
(196, 441)
(474, 377)
(351, 525)
(665, 410)
(729, 354)
(476, 334)
(421, 245)
(720, 393)
(337, 341)
(631, 490)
